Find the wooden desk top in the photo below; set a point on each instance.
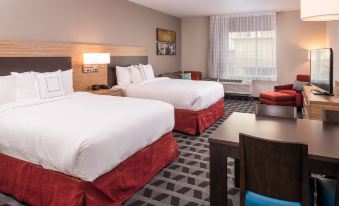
(322, 139)
(320, 99)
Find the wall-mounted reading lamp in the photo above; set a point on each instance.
(319, 10)
(93, 61)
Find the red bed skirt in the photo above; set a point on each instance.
(195, 122)
(37, 186)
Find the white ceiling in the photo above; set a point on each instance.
(183, 8)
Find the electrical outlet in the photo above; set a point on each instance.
(89, 69)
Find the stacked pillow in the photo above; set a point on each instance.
(7, 89)
(134, 73)
(33, 85)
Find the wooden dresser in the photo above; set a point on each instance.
(315, 104)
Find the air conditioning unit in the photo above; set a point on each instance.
(240, 87)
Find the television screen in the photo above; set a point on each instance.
(322, 69)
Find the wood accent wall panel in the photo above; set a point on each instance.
(82, 81)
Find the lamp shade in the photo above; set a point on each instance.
(319, 10)
(96, 58)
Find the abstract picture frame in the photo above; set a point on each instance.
(164, 35)
(164, 48)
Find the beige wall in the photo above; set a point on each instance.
(116, 22)
(333, 42)
(195, 43)
(294, 39)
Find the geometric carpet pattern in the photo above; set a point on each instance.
(185, 182)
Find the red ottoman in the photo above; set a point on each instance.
(277, 98)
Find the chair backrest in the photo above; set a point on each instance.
(303, 78)
(274, 169)
(331, 116)
(276, 111)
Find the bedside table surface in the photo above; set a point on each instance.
(112, 92)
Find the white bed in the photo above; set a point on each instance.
(81, 135)
(182, 94)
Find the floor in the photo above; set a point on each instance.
(185, 182)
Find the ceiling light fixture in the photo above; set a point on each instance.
(319, 10)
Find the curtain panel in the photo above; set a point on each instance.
(243, 46)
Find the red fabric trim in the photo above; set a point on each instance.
(304, 78)
(35, 185)
(299, 100)
(280, 103)
(277, 96)
(285, 86)
(195, 122)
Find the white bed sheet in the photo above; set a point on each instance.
(182, 94)
(82, 135)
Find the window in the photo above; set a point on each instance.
(249, 46)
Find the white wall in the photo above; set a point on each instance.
(116, 22)
(333, 42)
(195, 43)
(294, 39)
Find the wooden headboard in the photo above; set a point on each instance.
(123, 61)
(37, 64)
(34, 56)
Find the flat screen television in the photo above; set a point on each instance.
(322, 71)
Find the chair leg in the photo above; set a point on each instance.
(336, 199)
(237, 173)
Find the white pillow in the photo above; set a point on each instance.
(67, 81)
(50, 84)
(26, 87)
(123, 75)
(148, 71)
(7, 89)
(136, 74)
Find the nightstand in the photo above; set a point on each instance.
(111, 92)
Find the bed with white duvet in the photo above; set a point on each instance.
(81, 134)
(182, 94)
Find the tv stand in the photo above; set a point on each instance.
(315, 104)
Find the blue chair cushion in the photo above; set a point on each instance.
(326, 191)
(186, 76)
(254, 199)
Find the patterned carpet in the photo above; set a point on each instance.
(185, 182)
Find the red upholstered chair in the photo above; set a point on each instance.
(284, 95)
(195, 75)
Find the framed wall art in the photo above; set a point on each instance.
(164, 48)
(166, 35)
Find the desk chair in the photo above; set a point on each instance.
(273, 173)
(327, 187)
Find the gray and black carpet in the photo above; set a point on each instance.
(185, 182)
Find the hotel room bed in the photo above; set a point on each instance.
(198, 104)
(79, 149)
(101, 147)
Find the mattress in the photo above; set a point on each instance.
(82, 135)
(182, 94)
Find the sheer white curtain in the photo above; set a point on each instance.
(243, 46)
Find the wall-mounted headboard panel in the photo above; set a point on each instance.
(123, 61)
(37, 64)
(82, 81)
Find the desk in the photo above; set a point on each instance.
(315, 104)
(322, 140)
